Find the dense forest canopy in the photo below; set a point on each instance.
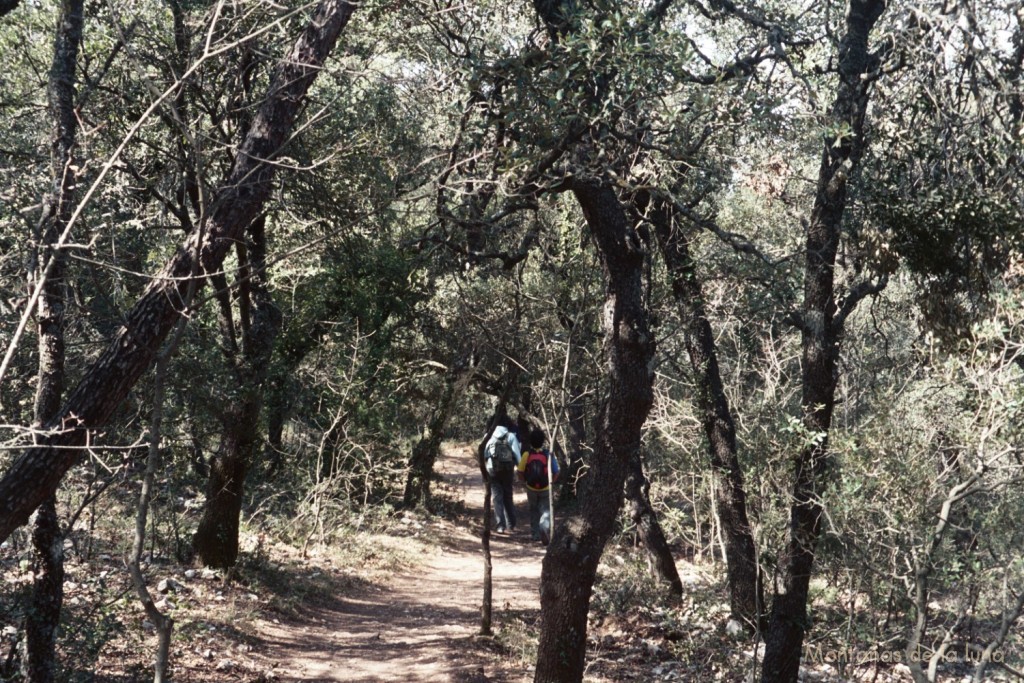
(755, 268)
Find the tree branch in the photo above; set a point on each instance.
(859, 292)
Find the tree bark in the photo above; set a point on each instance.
(47, 598)
(162, 623)
(425, 452)
(647, 525)
(8, 6)
(37, 473)
(576, 455)
(746, 595)
(216, 538)
(570, 565)
(486, 607)
(821, 323)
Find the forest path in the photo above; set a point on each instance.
(420, 627)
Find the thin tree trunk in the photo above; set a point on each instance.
(821, 324)
(576, 456)
(485, 543)
(570, 564)
(37, 472)
(647, 525)
(746, 595)
(163, 623)
(47, 598)
(425, 452)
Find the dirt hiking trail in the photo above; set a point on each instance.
(421, 626)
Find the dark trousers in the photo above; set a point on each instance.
(501, 497)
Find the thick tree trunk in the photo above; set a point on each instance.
(37, 473)
(47, 598)
(821, 323)
(8, 6)
(647, 525)
(570, 565)
(746, 595)
(216, 538)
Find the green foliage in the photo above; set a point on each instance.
(440, 142)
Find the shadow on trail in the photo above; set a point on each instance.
(422, 626)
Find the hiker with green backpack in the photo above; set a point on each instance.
(538, 470)
(501, 458)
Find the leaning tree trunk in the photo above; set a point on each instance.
(47, 598)
(37, 472)
(746, 595)
(637, 493)
(821, 324)
(570, 564)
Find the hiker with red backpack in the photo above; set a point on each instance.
(538, 470)
(502, 454)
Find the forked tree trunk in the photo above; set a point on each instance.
(37, 472)
(570, 565)
(821, 323)
(216, 538)
(746, 595)
(47, 597)
(637, 493)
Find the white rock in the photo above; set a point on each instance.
(734, 628)
(225, 665)
(167, 585)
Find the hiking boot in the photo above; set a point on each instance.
(500, 530)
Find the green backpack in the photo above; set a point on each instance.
(504, 454)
